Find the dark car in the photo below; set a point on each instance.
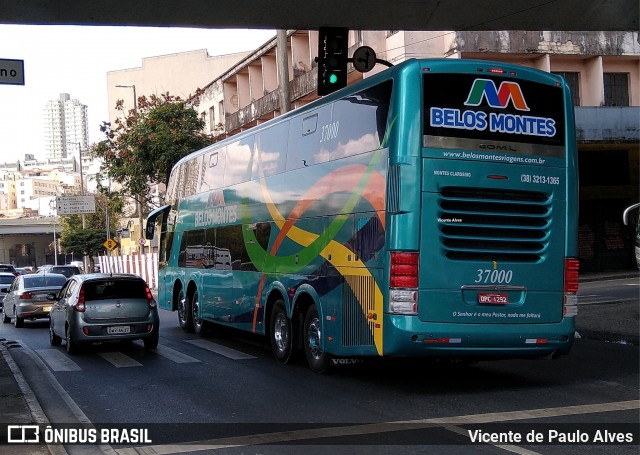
(8, 268)
(6, 279)
(100, 307)
(66, 270)
(28, 297)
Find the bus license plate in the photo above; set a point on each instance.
(118, 330)
(493, 298)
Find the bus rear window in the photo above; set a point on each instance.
(481, 111)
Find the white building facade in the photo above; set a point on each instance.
(66, 127)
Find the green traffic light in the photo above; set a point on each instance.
(333, 78)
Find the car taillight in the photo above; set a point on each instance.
(403, 282)
(79, 306)
(150, 300)
(26, 296)
(571, 274)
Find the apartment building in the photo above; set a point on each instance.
(602, 68)
(65, 127)
(179, 74)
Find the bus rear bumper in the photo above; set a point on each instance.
(408, 336)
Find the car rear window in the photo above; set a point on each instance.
(43, 281)
(115, 289)
(66, 271)
(6, 279)
(7, 268)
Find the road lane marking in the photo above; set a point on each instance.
(385, 427)
(175, 356)
(57, 361)
(222, 350)
(119, 360)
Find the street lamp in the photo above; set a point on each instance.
(84, 220)
(138, 202)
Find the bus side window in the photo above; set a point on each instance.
(240, 157)
(213, 169)
(309, 145)
(271, 146)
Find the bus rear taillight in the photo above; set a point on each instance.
(571, 268)
(403, 283)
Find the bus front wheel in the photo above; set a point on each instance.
(318, 359)
(281, 333)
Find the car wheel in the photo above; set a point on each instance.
(184, 315)
(280, 333)
(199, 324)
(318, 359)
(17, 322)
(151, 343)
(5, 318)
(54, 339)
(72, 346)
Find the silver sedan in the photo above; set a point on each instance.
(97, 307)
(28, 297)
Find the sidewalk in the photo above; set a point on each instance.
(613, 322)
(15, 400)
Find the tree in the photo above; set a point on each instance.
(141, 148)
(90, 241)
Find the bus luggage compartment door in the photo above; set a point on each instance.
(491, 251)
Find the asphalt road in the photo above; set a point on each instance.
(227, 393)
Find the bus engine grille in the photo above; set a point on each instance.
(358, 299)
(494, 225)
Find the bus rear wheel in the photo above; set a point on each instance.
(199, 326)
(281, 333)
(184, 313)
(318, 359)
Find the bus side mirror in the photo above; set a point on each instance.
(149, 230)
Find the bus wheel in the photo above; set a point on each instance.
(281, 333)
(196, 315)
(318, 359)
(184, 317)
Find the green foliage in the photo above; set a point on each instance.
(144, 144)
(106, 204)
(88, 242)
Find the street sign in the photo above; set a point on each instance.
(110, 244)
(11, 71)
(75, 205)
(364, 59)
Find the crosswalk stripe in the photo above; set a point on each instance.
(175, 356)
(222, 350)
(119, 360)
(57, 361)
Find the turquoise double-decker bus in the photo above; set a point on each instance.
(429, 210)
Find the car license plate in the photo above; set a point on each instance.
(493, 298)
(118, 330)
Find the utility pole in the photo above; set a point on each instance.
(282, 59)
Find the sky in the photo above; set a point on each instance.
(76, 59)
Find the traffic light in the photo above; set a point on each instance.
(332, 59)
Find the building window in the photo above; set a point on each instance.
(616, 89)
(212, 118)
(573, 81)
